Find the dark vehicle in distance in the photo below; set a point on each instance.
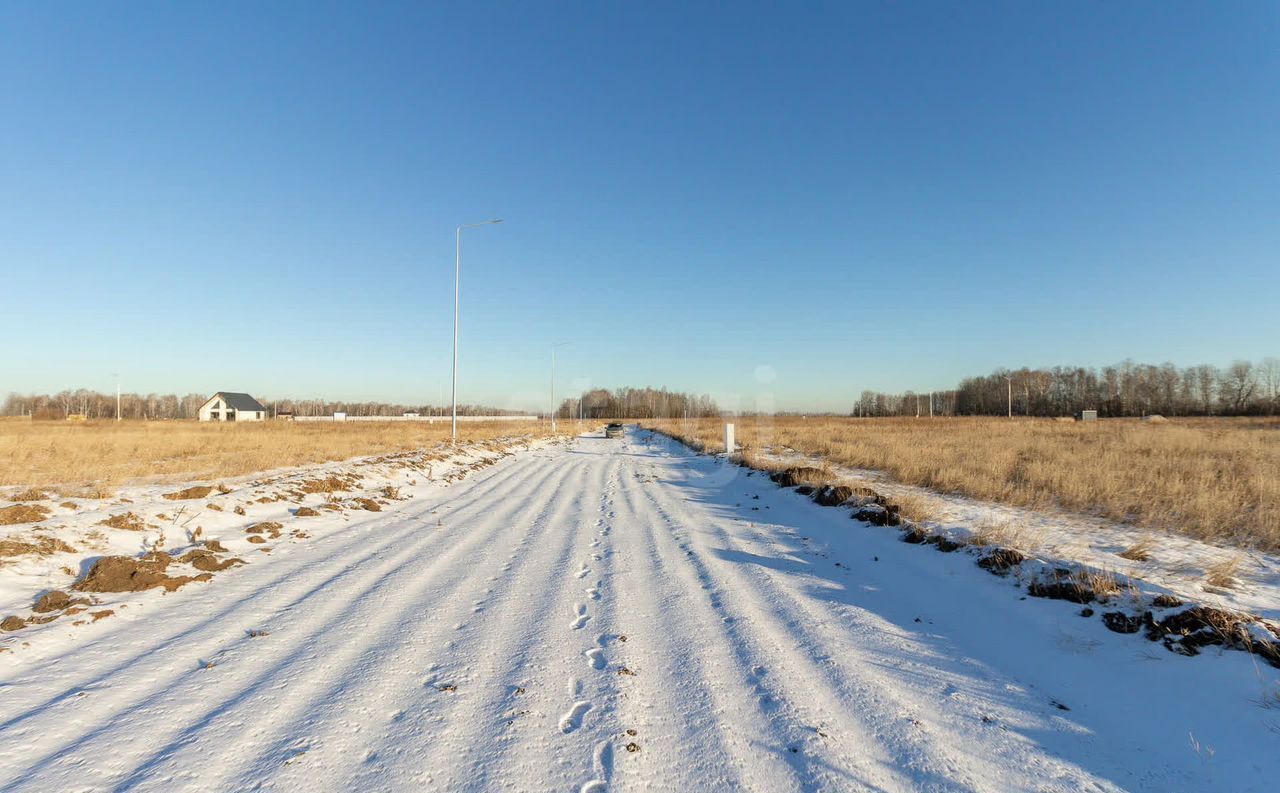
(614, 430)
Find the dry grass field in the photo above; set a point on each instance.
(1213, 479)
(100, 455)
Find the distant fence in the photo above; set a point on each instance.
(428, 419)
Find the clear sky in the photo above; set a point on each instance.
(783, 201)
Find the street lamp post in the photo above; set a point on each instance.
(553, 383)
(457, 270)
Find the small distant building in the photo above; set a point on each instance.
(232, 406)
(1087, 415)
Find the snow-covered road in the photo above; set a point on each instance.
(622, 614)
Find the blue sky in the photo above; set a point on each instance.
(776, 202)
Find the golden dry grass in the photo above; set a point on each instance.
(1214, 479)
(91, 458)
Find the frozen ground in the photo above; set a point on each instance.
(623, 615)
(1177, 564)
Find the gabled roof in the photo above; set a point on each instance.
(237, 401)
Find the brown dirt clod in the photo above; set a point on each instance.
(39, 544)
(1062, 589)
(198, 491)
(207, 562)
(57, 600)
(833, 495)
(127, 574)
(1001, 560)
(23, 513)
(126, 520)
(797, 476)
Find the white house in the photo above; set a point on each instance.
(229, 406)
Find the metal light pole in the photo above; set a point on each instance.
(457, 270)
(117, 377)
(553, 382)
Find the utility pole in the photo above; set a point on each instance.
(1009, 380)
(117, 376)
(930, 404)
(457, 270)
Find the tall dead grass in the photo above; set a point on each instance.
(96, 456)
(1213, 479)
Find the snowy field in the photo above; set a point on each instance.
(602, 614)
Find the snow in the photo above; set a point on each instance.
(1177, 564)
(614, 614)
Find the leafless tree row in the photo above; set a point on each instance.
(1126, 389)
(637, 403)
(96, 405)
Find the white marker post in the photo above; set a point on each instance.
(728, 439)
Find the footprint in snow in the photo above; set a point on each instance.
(584, 572)
(573, 719)
(580, 617)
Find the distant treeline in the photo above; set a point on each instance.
(96, 405)
(637, 403)
(1126, 389)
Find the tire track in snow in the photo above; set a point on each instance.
(793, 700)
(323, 600)
(448, 593)
(489, 657)
(678, 700)
(570, 705)
(866, 664)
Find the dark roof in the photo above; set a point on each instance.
(240, 401)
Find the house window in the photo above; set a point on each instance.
(214, 415)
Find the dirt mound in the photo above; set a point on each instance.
(128, 521)
(1120, 622)
(1062, 589)
(915, 535)
(1200, 626)
(305, 512)
(199, 491)
(38, 545)
(126, 574)
(22, 513)
(945, 545)
(866, 495)
(57, 600)
(208, 562)
(329, 484)
(1001, 560)
(802, 475)
(1155, 418)
(878, 515)
(833, 495)
(265, 527)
